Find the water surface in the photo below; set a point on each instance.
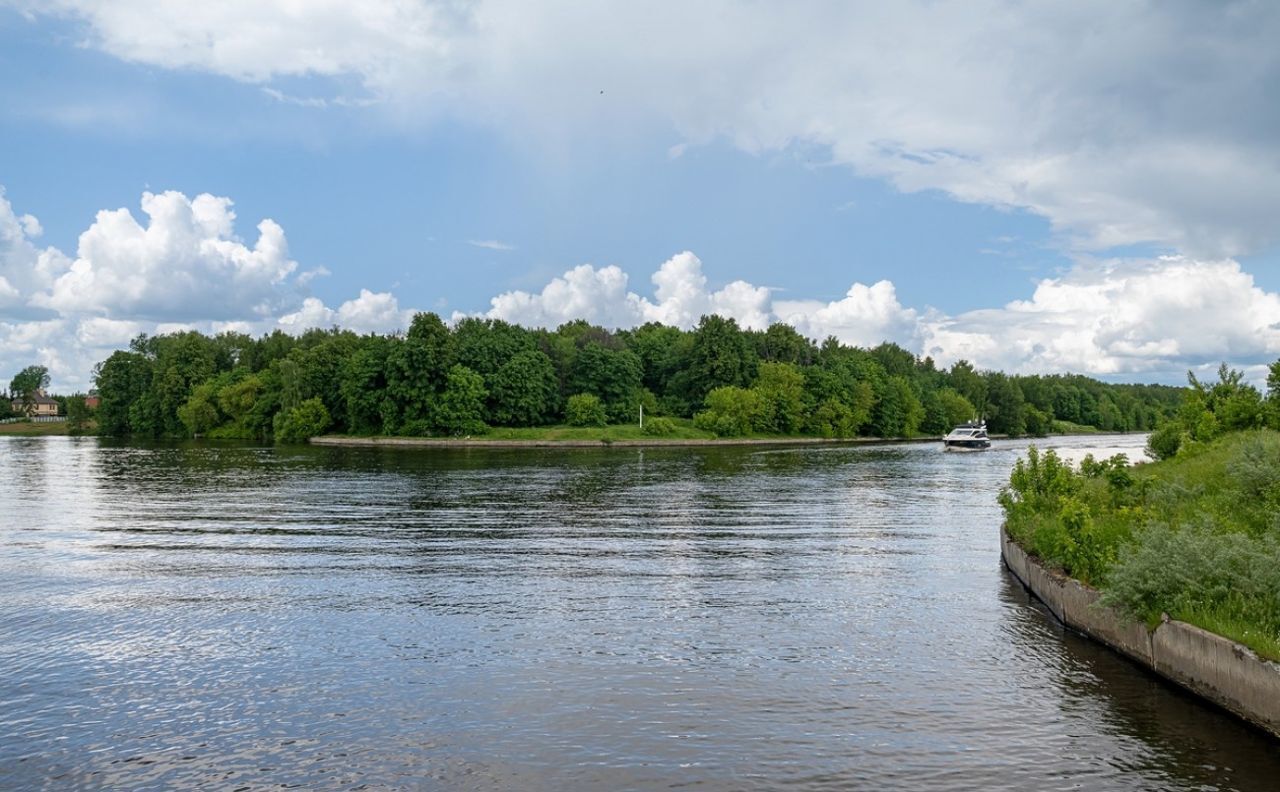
(810, 618)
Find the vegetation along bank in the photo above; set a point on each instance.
(488, 378)
(1193, 537)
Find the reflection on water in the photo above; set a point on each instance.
(822, 618)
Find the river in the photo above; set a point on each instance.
(720, 618)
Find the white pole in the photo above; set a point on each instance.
(641, 415)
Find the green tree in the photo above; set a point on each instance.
(122, 380)
(299, 424)
(78, 414)
(27, 385)
(720, 355)
(199, 414)
(524, 391)
(584, 409)
(1005, 405)
(780, 387)
(369, 408)
(484, 345)
(833, 418)
(956, 409)
(614, 375)
(969, 383)
(897, 412)
(731, 412)
(781, 343)
(418, 367)
(460, 409)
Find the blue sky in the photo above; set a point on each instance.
(1032, 199)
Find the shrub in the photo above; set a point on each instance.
(302, 422)
(731, 412)
(659, 427)
(584, 409)
(416, 428)
(1165, 441)
(1198, 571)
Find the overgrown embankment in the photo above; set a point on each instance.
(1196, 536)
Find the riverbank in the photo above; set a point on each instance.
(652, 442)
(42, 429)
(1218, 669)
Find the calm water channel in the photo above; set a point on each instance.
(814, 618)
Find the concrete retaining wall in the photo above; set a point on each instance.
(1221, 670)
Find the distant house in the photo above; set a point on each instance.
(92, 400)
(41, 407)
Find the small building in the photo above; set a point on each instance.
(41, 407)
(92, 400)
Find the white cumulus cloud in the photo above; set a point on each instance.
(184, 269)
(371, 312)
(186, 261)
(601, 296)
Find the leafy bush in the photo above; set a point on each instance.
(1165, 441)
(731, 412)
(1197, 573)
(1075, 520)
(584, 409)
(418, 427)
(659, 427)
(302, 422)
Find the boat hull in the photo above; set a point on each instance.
(971, 445)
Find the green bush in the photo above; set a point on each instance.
(659, 427)
(1165, 441)
(584, 409)
(302, 422)
(1197, 573)
(731, 412)
(418, 427)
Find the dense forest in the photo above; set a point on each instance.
(435, 380)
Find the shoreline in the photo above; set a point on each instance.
(448, 442)
(1217, 669)
(654, 442)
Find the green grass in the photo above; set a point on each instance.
(1239, 628)
(29, 429)
(685, 430)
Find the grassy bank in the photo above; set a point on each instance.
(1196, 536)
(656, 431)
(677, 429)
(29, 429)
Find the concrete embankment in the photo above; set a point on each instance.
(1216, 668)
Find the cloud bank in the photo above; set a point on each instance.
(1120, 122)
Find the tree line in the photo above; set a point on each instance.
(436, 380)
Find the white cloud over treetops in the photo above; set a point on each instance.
(1142, 319)
(184, 268)
(1120, 122)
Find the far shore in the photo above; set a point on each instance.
(480, 442)
(657, 442)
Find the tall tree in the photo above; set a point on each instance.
(27, 386)
(721, 356)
